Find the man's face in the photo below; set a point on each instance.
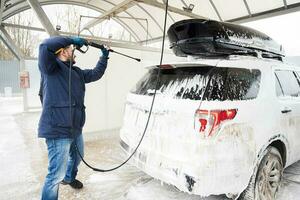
(66, 53)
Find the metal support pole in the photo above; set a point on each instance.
(1, 10)
(41, 15)
(24, 90)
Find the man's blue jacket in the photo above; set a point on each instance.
(55, 119)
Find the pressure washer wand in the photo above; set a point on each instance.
(100, 46)
(113, 51)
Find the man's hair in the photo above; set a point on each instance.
(61, 49)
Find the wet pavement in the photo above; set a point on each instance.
(23, 166)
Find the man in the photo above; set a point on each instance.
(61, 130)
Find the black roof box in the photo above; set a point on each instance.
(200, 37)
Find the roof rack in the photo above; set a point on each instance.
(209, 38)
(259, 54)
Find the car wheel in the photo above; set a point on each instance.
(265, 183)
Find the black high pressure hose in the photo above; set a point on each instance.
(150, 112)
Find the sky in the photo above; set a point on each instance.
(284, 29)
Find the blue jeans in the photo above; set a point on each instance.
(63, 164)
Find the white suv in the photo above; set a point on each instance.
(218, 125)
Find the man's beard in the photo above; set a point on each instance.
(73, 60)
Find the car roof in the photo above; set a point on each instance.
(253, 62)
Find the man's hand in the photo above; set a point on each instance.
(105, 52)
(78, 41)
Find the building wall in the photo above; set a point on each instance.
(35, 77)
(9, 76)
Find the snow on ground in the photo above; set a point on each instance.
(159, 191)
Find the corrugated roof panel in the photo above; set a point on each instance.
(226, 8)
(101, 4)
(111, 28)
(157, 13)
(123, 14)
(138, 12)
(292, 1)
(258, 6)
(128, 27)
(142, 34)
(176, 3)
(113, 1)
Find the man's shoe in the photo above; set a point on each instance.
(76, 184)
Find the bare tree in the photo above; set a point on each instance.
(23, 38)
(68, 18)
(5, 53)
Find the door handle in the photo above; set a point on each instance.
(286, 110)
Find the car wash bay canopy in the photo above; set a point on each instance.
(143, 18)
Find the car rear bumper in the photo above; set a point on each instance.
(204, 174)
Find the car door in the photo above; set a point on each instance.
(288, 95)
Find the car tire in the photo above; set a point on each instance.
(264, 184)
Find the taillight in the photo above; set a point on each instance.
(207, 121)
(166, 66)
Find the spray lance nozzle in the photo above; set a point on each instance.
(101, 46)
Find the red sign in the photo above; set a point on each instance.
(24, 79)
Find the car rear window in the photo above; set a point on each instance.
(190, 83)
